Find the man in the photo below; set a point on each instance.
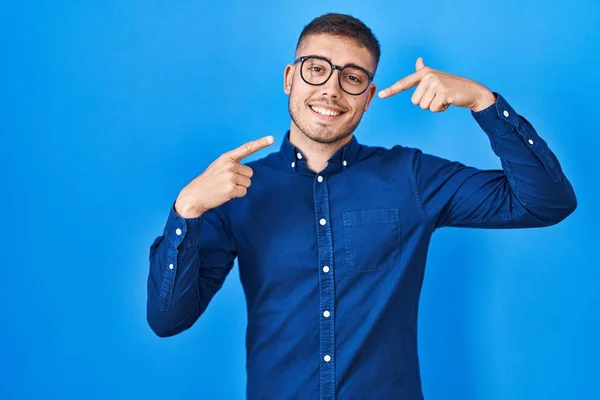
(332, 236)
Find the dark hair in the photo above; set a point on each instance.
(344, 26)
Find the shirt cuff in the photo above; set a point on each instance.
(497, 119)
(179, 229)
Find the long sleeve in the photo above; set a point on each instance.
(531, 190)
(188, 265)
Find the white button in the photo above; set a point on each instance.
(326, 269)
(322, 221)
(170, 266)
(299, 156)
(327, 358)
(530, 141)
(505, 113)
(320, 179)
(178, 231)
(345, 163)
(326, 314)
(293, 164)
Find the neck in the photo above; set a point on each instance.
(316, 154)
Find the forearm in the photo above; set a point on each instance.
(174, 302)
(533, 172)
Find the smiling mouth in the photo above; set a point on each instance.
(326, 113)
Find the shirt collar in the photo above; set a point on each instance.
(342, 159)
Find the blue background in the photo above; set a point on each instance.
(107, 109)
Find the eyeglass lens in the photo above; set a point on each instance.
(316, 71)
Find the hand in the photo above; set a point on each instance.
(438, 90)
(222, 181)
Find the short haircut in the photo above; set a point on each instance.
(346, 26)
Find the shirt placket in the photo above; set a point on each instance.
(326, 288)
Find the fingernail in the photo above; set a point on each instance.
(270, 139)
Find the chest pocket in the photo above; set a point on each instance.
(372, 239)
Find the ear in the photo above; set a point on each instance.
(370, 94)
(288, 77)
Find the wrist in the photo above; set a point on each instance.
(187, 209)
(486, 99)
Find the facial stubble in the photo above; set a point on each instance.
(320, 135)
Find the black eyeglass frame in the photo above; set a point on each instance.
(370, 75)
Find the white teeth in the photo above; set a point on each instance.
(324, 111)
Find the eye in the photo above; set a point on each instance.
(354, 80)
(315, 67)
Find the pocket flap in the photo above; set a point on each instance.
(375, 216)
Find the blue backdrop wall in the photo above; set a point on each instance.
(107, 109)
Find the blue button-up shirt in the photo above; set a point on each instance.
(332, 263)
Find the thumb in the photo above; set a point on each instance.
(419, 64)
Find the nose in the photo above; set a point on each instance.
(332, 86)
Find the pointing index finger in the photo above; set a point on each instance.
(250, 148)
(403, 84)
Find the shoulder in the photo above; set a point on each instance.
(265, 160)
(392, 154)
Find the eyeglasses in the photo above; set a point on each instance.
(316, 70)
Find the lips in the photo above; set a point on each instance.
(326, 112)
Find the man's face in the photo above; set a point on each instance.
(308, 103)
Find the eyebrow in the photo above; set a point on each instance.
(343, 66)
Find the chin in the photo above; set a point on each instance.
(318, 130)
(326, 135)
